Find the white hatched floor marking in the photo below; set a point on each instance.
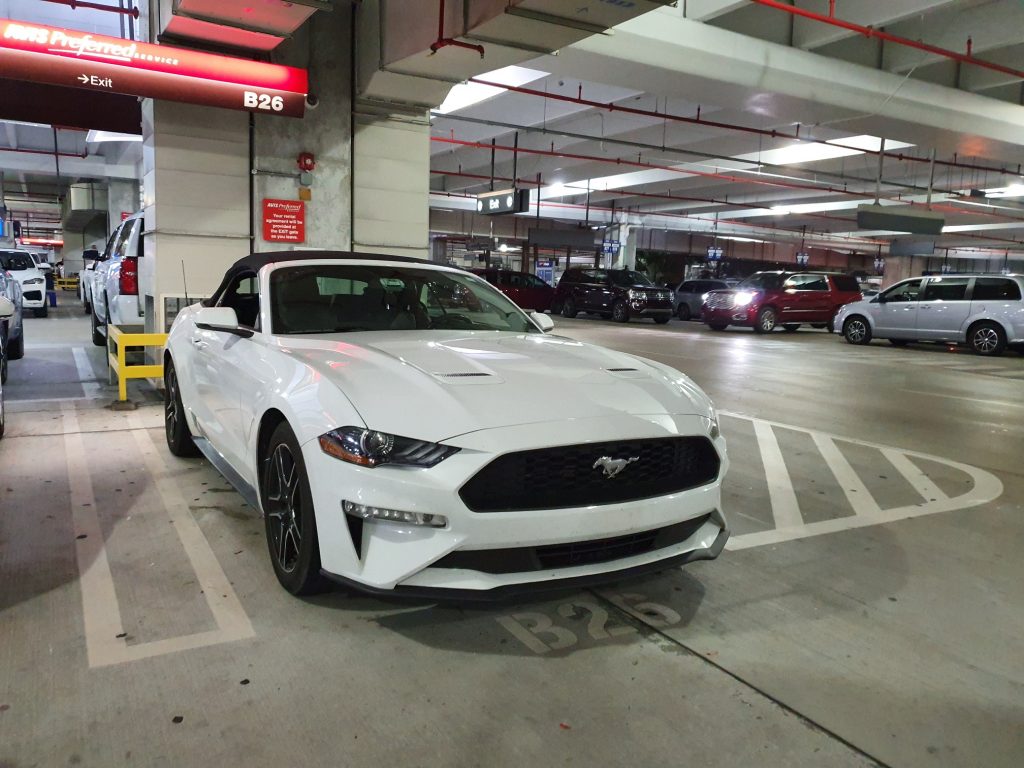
(100, 608)
(789, 523)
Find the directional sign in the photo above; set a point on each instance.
(40, 54)
(715, 254)
(505, 201)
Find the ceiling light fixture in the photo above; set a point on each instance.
(98, 137)
(466, 95)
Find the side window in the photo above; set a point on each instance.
(123, 237)
(995, 289)
(814, 283)
(946, 289)
(339, 286)
(514, 280)
(108, 251)
(846, 283)
(907, 291)
(690, 287)
(243, 296)
(532, 281)
(571, 276)
(794, 283)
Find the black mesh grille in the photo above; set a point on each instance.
(553, 478)
(33, 295)
(527, 559)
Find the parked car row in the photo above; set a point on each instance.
(109, 283)
(20, 266)
(12, 331)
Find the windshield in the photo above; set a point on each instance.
(16, 262)
(763, 280)
(628, 277)
(335, 298)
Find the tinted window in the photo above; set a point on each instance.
(996, 289)
(690, 287)
(16, 262)
(593, 276)
(571, 276)
(845, 283)
(946, 289)
(628, 277)
(764, 280)
(807, 283)
(907, 291)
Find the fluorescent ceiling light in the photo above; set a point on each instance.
(806, 152)
(97, 137)
(467, 94)
(22, 122)
(739, 239)
(1014, 190)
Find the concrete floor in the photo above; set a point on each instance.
(869, 610)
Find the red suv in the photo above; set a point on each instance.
(526, 290)
(767, 299)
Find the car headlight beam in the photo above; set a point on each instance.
(743, 298)
(370, 448)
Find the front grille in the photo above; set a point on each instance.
(566, 476)
(721, 301)
(527, 559)
(33, 295)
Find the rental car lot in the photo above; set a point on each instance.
(868, 608)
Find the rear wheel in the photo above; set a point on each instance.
(3, 365)
(856, 330)
(683, 311)
(289, 517)
(179, 436)
(791, 327)
(16, 347)
(569, 308)
(766, 320)
(986, 339)
(97, 338)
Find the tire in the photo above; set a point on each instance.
(179, 436)
(718, 326)
(683, 311)
(662, 319)
(856, 330)
(2, 414)
(620, 312)
(766, 320)
(819, 326)
(16, 348)
(97, 338)
(899, 342)
(3, 366)
(86, 306)
(289, 517)
(791, 327)
(42, 311)
(987, 339)
(569, 308)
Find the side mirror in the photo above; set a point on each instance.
(543, 322)
(221, 319)
(878, 299)
(7, 308)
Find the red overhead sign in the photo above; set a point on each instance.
(81, 60)
(284, 221)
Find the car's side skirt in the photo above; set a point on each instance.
(221, 465)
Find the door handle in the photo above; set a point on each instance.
(198, 343)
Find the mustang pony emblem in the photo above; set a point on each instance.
(612, 467)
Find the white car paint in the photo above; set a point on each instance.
(503, 392)
(108, 303)
(31, 279)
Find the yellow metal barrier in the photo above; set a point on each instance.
(66, 283)
(118, 340)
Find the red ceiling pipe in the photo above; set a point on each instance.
(76, 4)
(444, 42)
(611, 107)
(964, 58)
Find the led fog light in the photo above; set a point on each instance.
(393, 515)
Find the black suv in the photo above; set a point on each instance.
(618, 294)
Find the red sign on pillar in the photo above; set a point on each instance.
(40, 54)
(284, 221)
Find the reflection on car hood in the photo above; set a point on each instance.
(453, 382)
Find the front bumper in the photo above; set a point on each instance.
(392, 558)
(33, 296)
(742, 316)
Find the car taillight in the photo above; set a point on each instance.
(128, 283)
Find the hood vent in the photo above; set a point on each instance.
(461, 375)
(621, 370)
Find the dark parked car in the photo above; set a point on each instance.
(528, 291)
(619, 294)
(690, 296)
(767, 299)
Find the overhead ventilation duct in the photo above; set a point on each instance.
(82, 204)
(900, 218)
(257, 26)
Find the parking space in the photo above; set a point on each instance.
(866, 611)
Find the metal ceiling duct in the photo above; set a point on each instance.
(241, 24)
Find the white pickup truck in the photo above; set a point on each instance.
(114, 291)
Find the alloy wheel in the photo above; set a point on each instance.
(985, 340)
(856, 331)
(283, 507)
(171, 414)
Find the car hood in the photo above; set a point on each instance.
(449, 383)
(22, 275)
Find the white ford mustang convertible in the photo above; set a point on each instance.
(405, 428)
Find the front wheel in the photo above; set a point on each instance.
(42, 311)
(683, 312)
(97, 338)
(179, 436)
(620, 313)
(986, 339)
(16, 347)
(288, 514)
(569, 308)
(856, 330)
(766, 320)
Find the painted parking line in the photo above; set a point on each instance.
(105, 639)
(866, 509)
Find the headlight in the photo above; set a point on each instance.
(713, 430)
(704, 296)
(743, 298)
(34, 281)
(634, 295)
(394, 515)
(369, 448)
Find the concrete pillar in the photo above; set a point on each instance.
(196, 200)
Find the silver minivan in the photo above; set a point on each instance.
(985, 312)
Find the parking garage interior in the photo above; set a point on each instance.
(867, 606)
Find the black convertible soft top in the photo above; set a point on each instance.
(254, 262)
